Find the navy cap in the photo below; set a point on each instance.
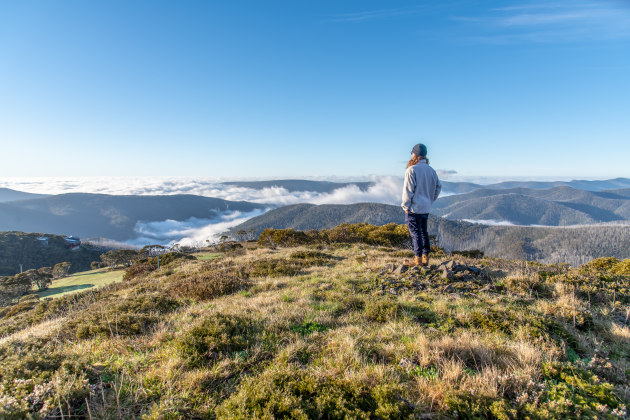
(419, 150)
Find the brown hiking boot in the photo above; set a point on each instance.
(425, 260)
(413, 262)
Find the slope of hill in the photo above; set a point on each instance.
(559, 206)
(293, 185)
(572, 245)
(23, 248)
(109, 216)
(311, 216)
(327, 331)
(517, 209)
(7, 194)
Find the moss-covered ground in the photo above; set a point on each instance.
(326, 332)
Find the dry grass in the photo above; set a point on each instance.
(232, 338)
(41, 330)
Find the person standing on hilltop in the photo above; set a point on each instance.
(422, 187)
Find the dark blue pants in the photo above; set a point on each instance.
(417, 224)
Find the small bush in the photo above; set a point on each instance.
(310, 258)
(382, 310)
(169, 258)
(390, 235)
(601, 264)
(127, 317)
(215, 336)
(282, 237)
(25, 303)
(528, 285)
(274, 268)
(230, 246)
(473, 253)
(139, 269)
(206, 284)
(572, 392)
(288, 392)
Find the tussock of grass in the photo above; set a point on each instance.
(310, 332)
(212, 281)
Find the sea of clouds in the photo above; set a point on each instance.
(196, 232)
(384, 189)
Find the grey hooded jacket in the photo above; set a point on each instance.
(422, 187)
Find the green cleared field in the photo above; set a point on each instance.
(81, 281)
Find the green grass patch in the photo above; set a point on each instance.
(81, 281)
(307, 328)
(206, 256)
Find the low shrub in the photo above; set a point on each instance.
(230, 246)
(215, 336)
(26, 303)
(127, 317)
(139, 269)
(170, 257)
(389, 235)
(282, 237)
(382, 310)
(37, 380)
(473, 253)
(207, 284)
(289, 392)
(311, 258)
(572, 392)
(601, 264)
(274, 268)
(528, 285)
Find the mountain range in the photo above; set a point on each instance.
(559, 206)
(574, 245)
(580, 184)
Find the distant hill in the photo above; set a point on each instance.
(550, 245)
(599, 185)
(311, 216)
(293, 185)
(7, 194)
(23, 248)
(108, 216)
(559, 206)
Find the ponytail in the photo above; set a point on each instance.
(415, 159)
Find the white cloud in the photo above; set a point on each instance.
(445, 173)
(564, 21)
(376, 14)
(385, 189)
(192, 232)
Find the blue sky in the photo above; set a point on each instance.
(314, 88)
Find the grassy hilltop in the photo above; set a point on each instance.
(326, 330)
